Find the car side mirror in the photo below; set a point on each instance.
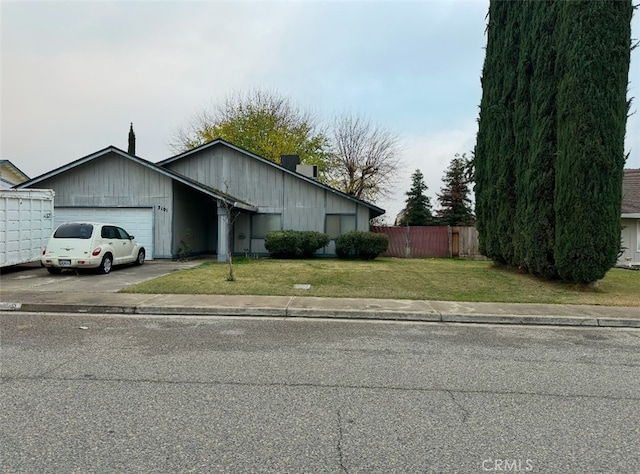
(131, 237)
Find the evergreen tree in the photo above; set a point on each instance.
(454, 196)
(494, 153)
(521, 110)
(549, 155)
(537, 174)
(594, 45)
(418, 205)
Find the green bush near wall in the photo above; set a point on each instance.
(363, 245)
(294, 243)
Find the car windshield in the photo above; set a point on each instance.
(73, 231)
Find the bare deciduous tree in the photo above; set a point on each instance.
(365, 158)
(231, 214)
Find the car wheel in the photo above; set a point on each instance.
(140, 259)
(106, 264)
(54, 270)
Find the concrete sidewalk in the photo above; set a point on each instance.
(312, 307)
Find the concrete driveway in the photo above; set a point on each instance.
(34, 278)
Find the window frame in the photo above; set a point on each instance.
(342, 229)
(265, 215)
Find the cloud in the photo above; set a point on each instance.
(72, 84)
(74, 74)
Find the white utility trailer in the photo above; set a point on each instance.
(26, 223)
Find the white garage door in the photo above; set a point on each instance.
(137, 221)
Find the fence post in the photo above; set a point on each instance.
(407, 247)
(456, 238)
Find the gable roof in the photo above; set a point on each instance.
(631, 191)
(10, 174)
(377, 211)
(216, 194)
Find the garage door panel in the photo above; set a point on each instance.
(136, 221)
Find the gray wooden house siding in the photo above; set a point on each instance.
(300, 203)
(630, 242)
(114, 181)
(180, 204)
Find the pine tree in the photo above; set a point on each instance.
(418, 205)
(454, 196)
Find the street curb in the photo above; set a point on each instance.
(538, 320)
(206, 311)
(75, 308)
(618, 323)
(309, 313)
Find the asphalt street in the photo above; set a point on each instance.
(115, 393)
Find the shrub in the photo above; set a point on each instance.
(294, 243)
(358, 244)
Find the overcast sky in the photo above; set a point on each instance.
(75, 74)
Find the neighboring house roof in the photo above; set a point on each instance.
(10, 174)
(216, 194)
(631, 193)
(377, 211)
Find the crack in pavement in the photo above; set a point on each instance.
(465, 412)
(5, 378)
(339, 446)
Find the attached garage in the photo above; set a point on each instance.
(137, 221)
(177, 203)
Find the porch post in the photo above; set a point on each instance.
(223, 233)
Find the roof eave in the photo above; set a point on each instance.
(374, 209)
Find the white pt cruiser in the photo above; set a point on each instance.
(77, 245)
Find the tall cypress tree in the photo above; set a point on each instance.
(594, 45)
(537, 195)
(550, 147)
(522, 130)
(494, 153)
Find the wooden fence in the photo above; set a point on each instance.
(430, 241)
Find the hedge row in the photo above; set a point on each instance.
(304, 244)
(294, 243)
(358, 244)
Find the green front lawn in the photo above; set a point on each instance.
(424, 279)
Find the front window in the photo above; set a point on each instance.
(74, 231)
(338, 224)
(122, 234)
(263, 223)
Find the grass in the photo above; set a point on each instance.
(427, 279)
